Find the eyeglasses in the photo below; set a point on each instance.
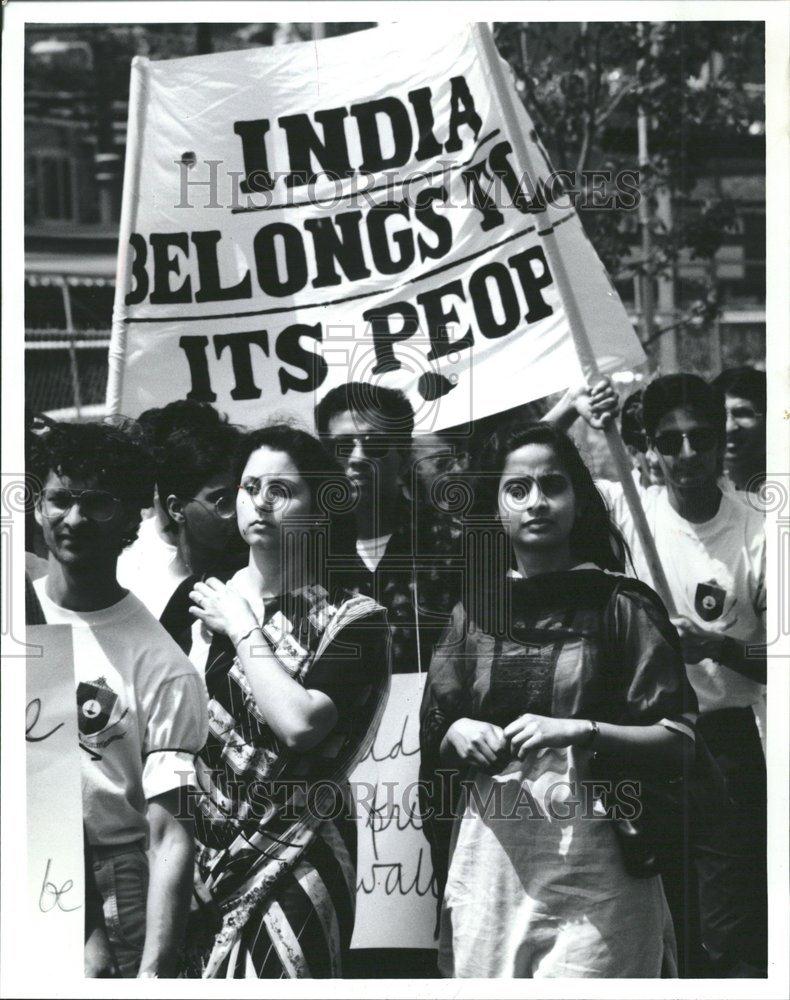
(373, 445)
(97, 505)
(743, 416)
(225, 507)
(438, 463)
(274, 493)
(670, 443)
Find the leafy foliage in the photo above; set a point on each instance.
(699, 85)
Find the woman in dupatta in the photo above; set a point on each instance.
(297, 678)
(556, 662)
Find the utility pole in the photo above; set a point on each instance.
(716, 362)
(667, 342)
(646, 279)
(646, 291)
(106, 158)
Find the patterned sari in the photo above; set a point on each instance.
(277, 827)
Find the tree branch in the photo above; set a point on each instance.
(591, 119)
(627, 88)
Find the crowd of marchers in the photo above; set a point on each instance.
(238, 600)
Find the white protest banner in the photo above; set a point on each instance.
(300, 216)
(55, 860)
(396, 892)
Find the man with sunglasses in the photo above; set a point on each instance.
(141, 705)
(368, 429)
(405, 555)
(711, 543)
(712, 548)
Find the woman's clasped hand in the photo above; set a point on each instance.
(490, 747)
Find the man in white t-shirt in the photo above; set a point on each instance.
(142, 707)
(712, 547)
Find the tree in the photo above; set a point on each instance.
(699, 86)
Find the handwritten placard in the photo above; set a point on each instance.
(396, 891)
(55, 865)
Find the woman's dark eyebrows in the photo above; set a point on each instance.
(532, 476)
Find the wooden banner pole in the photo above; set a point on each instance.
(486, 47)
(116, 356)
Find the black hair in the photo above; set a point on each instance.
(188, 460)
(36, 458)
(177, 434)
(332, 500)
(631, 427)
(160, 423)
(389, 409)
(745, 383)
(36, 472)
(108, 455)
(594, 538)
(682, 391)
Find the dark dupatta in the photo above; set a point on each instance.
(576, 644)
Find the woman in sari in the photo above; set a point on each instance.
(297, 678)
(556, 662)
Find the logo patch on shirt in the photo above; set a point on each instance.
(97, 707)
(709, 601)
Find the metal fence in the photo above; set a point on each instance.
(66, 370)
(67, 320)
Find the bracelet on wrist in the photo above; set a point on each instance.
(592, 734)
(246, 635)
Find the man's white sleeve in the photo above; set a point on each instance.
(176, 732)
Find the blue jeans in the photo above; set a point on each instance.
(122, 881)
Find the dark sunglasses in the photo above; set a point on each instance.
(373, 445)
(97, 505)
(670, 443)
